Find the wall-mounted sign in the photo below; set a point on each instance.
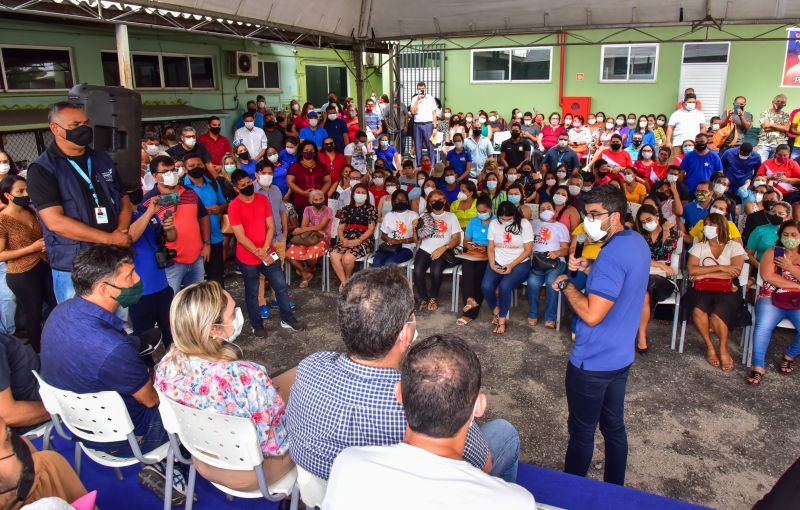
(579, 76)
(791, 65)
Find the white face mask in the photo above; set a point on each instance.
(152, 150)
(546, 215)
(450, 179)
(273, 158)
(420, 182)
(391, 189)
(690, 106)
(710, 232)
(295, 107)
(672, 178)
(574, 190)
(647, 154)
(600, 120)
(561, 175)
(620, 122)
(262, 104)
(462, 196)
(642, 124)
(458, 145)
(353, 182)
(265, 180)
(594, 228)
(519, 115)
(249, 124)
(660, 122)
(719, 189)
(360, 198)
(715, 127)
(428, 190)
(313, 122)
(551, 182)
(511, 177)
(492, 118)
(759, 197)
(291, 150)
(170, 179)
(189, 142)
(628, 178)
(378, 181)
(332, 116)
(559, 199)
(469, 119)
(562, 143)
(527, 122)
(716, 210)
(609, 125)
(5, 168)
(238, 323)
(481, 120)
(592, 122)
(650, 225)
(447, 115)
(587, 189)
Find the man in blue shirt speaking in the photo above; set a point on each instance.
(608, 318)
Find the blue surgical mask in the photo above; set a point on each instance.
(514, 199)
(484, 216)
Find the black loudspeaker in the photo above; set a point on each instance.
(115, 114)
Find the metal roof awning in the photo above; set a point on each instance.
(29, 119)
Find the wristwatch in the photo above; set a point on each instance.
(562, 285)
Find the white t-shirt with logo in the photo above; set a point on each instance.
(508, 246)
(402, 477)
(359, 161)
(549, 236)
(446, 227)
(399, 225)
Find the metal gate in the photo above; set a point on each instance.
(420, 63)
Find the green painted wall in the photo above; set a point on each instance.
(87, 42)
(754, 71)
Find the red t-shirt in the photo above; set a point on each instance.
(300, 122)
(216, 148)
(550, 134)
(771, 167)
(650, 173)
(306, 179)
(378, 193)
(334, 166)
(252, 217)
(621, 158)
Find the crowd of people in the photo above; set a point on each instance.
(101, 274)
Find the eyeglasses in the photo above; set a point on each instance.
(597, 214)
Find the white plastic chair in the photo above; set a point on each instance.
(675, 298)
(742, 284)
(378, 242)
(44, 431)
(98, 417)
(312, 488)
(222, 441)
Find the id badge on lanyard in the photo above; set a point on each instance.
(100, 213)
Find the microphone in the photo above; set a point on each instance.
(578, 252)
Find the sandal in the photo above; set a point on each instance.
(471, 304)
(433, 305)
(754, 379)
(422, 305)
(463, 321)
(786, 366)
(550, 325)
(501, 327)
(532, 322)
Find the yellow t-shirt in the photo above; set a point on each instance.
(591, 249)
(697, 231)
(796, 120)
(637, 195)
(464, 215)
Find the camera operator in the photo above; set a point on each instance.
(151, 257)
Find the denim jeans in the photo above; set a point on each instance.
(384, 259)
(179, 274)
(503, 441)
(62, 285)
(765, 152)
(422, 139)
(274, 275)
(767, 318)
(594, 397)
(8, 303)
(504, 284)
(535, 281)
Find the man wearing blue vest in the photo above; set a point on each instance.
(77, 195)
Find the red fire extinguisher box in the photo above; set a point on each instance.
(577, 105)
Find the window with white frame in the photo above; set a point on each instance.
(36, 68)
(628, 62)
(159, 71)
(269, 76)
(511, 65)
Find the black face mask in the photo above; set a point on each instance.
(537, 181)
(244, 155)
(251, 110)
(775, 220)
(215, 130)
(197, 172)
(136, 196)
(768, 204)
(309, 155)
(248, 190)
(400, 206)
(22, 201)
(269, 124)
(329, 147)
(636, 143)
(437, 205)
(171, 137)
(318, 205)
(616, 146)
(700, 146)
(28, 476)
(81, 135)
(476, 132)
(515, 134)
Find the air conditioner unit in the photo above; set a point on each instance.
(370, 59)
(243, 63)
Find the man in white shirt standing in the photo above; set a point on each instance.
(423, 108)
(254, 138)
(439, 387)
(685, 124)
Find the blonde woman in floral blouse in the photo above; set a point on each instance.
(201, 371)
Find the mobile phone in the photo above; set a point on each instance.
(502, 268)
(779, 251)
(274, 256)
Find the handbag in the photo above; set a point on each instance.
(310, 238)
(426, 226)
(786, 300)
(541, 262)
(389, 248)
(714, 284)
